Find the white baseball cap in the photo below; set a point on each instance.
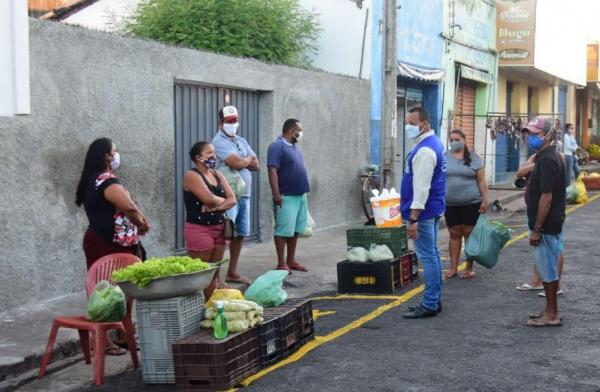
(230, 113)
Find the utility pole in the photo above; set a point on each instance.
(390, 66)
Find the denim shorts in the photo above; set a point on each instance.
(240, 214)
(546, 256)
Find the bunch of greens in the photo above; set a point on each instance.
(141, 274)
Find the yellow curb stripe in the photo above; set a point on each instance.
(397, 301)
(317, 314)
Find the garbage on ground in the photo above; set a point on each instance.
(240, 314)
(267, 290)
(486, 241)
(107, 303)
(386, 207)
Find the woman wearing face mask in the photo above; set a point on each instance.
(466, 197)
(115, 221)
(207, 196)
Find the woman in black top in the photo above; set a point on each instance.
(207, 196)
(115, 222)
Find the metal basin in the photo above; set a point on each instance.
(171, 286)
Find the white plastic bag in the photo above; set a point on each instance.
(380, 253)
(358, 254)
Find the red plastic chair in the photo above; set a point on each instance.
(101, 270)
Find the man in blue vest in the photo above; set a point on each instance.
(422, 204)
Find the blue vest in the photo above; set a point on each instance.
(436, 204)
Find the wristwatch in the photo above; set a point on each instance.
(411, 221)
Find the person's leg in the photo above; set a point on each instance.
(454, 245)
(242, 227)
(468, 272)
(576, 168)
(425, 248)
(438, 256)
(280, 249)
(546, 256)
(569, 169)
(300, 227)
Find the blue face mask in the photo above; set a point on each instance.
(412, 131)
(535, 142)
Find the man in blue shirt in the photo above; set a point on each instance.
(289, 184)
(234, 151)
(422, 203)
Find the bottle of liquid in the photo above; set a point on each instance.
(220, 328)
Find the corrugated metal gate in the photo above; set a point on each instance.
(196, 117)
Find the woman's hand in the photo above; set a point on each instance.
(483, 207)
(144, 227)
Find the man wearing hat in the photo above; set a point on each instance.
(234, 151)
(546, 202)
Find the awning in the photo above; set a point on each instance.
(420, 73)
(477, 75)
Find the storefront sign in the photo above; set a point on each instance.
(515, 31)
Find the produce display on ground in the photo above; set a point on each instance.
(141, 274)
(594, 151)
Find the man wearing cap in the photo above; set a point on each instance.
(234, 151)
(546, 202)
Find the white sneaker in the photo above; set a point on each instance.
(543, 294)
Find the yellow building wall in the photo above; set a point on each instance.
(501, 98)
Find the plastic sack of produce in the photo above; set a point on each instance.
(380, 253)
(310, 226)
(579, 193)
(267, 290)
(107, 303)
(358, 254)
(223, 295)
(235, 180)
(486, 241)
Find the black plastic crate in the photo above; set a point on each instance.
(304, 314)
(288, 324)
(382, 277)
(396, 238)
(296, 346)
(414, 265)
(271, 344)
(203, 363)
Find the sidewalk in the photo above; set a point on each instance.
(24, 331)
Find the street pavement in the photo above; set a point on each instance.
(478, 343)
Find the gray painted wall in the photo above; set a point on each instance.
(87, 84)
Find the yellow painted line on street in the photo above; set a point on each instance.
(355, 296)
(320, 340)
(396, 301)
(317, 314)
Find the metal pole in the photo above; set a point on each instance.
(390, 65)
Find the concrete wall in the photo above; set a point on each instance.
(88, 84)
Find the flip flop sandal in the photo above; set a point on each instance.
(297, 267)
(450, 276)
(543, 293)
(468, 275)
(284, 268)
(115, 351)
(240, 280)
(528, 287)
(538, 315)
(538, 323)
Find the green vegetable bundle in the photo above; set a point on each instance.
(141, 274)
(107, 303)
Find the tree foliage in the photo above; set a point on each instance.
(276, 31)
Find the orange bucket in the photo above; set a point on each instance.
(387, 212)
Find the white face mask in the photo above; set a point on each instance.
(299, 136)
(116, 162)
(231, 129)
(412, 131)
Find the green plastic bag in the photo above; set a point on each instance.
(235, 180)
(107, 303)
(486, 241)
(267, 290)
